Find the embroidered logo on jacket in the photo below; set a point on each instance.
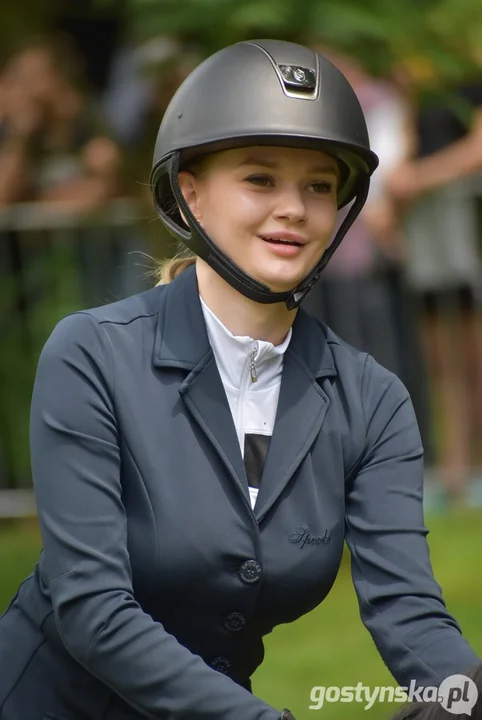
(304, 537)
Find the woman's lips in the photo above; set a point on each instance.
(284, 244)
(284, 236)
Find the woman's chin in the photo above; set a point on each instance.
(276, 283)
(280, 276)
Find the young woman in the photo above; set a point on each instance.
(202, 451)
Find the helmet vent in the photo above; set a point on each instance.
(299, 78)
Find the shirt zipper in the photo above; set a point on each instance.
(252, 364)
(249, 373)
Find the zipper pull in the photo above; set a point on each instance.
(252, 366)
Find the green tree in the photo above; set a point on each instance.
(440, 37)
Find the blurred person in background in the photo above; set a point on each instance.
(202, 452)
(142, 79)
(56, 154)
(363, 295)
(137, 72)
(53, 147)
(434, 189)
(141, 83)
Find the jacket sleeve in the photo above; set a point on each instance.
(400, 602)
(76, 470)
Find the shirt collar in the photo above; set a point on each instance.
(232, 352)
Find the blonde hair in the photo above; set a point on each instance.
(168, 270)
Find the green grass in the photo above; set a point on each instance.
(329, 646)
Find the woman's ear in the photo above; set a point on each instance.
(188, 185)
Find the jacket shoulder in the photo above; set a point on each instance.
(377, 407)
(83, 328)
(127, 310)
(356, 365)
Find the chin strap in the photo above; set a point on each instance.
(201, 244)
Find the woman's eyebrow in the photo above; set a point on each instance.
(273, 165)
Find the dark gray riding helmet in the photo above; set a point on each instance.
(261, 92)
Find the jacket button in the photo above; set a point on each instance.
(250, 571)
(221, 664)
(234, 622)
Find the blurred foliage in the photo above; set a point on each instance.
(433, 38)
(22, 21)
(19, 20)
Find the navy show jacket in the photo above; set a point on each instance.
(157, 581)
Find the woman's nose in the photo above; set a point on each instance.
(290, 205)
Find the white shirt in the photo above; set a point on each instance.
(251, 373)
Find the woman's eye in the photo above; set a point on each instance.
(261, 180)
(324, 187)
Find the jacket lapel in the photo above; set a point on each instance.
(206, 400)
(182, 342)
(302, 408)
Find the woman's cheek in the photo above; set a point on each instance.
(326, 218)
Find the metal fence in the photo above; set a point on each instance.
(52, 263)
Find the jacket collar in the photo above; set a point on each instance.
(181, 338)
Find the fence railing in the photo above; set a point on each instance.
(53, 262)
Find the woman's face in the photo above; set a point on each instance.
(272, 210)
